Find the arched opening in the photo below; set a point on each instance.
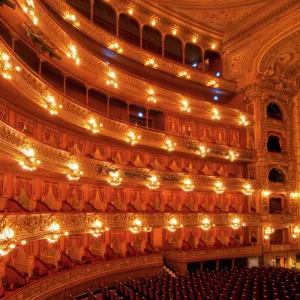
(273, 111)
(118, 109)
(173, 48)
(193, 56)
(82, 6)
(98, 101)
(275, 205)
(156, 120)
(105, 17)
(76, 90)
(276, 175)
(27, 55)
(129, 30)
(212, 62)
(5, 34)
(137, 115)
(52, 75)
(274, 144)
(152, 40)
(277, 237)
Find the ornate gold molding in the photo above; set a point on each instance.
(212, 254)
(43, 288)
(28, 83)
(140, 55)
(35, 226)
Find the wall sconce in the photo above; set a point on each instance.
(215, 115)
(55, 234)
(116, 47)
(93, 126)
(169, 145)
(188, 185)
(153, 183)
(132, 138)
(73, 54)
(97, 229)
(137, 227)
(294, 195)
(268, 232)
(112, 79)
(202, 151)
(115, 178)
(213, 46)
(72, 19)
(174, 31)
(243, 121)
(247, 190)
(232, 156)
(130, 11)
(236, 223)
(6, 66)
(151, 63)
(265, 194)
(296, 231)
(213, 83)
(151, 97)
(51, 105)
(206, 225)
(219, 188)
(153, 23)
(75, 173)
(173, 225)
(185, 106)
(30, 163)
(184, 74)
(7, 241)
(194, 40)
(29, 8)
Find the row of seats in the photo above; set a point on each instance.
(246, 283)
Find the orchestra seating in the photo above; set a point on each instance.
(246, 283)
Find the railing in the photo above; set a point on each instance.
(281, 247)
(36, 225)
(61, 281)
(197, 255)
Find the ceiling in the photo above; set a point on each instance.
(217, 15)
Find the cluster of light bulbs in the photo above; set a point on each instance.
(188, 185)
(75, 172)
(184, 74)
(215, 114)
(153, 183)
(115, 178)
(268, 232)
(55, 234)
(51, 105)
(248, 190)
(6, 66)
(112, 79)
(174, 225)
(203, 151)
(137, 227)
(132, 138)
(30, 163)
(232, 156)
(213, 83)
(236, 223)
(73, 54)
(185, 106)
(29, 8)
(97, 229)
(219, 188)
(93, 125)
(169, 145)
(151, 63)
(206, 224)
(243, 121)
(116, 47)
(72, 19)
(151, 97)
